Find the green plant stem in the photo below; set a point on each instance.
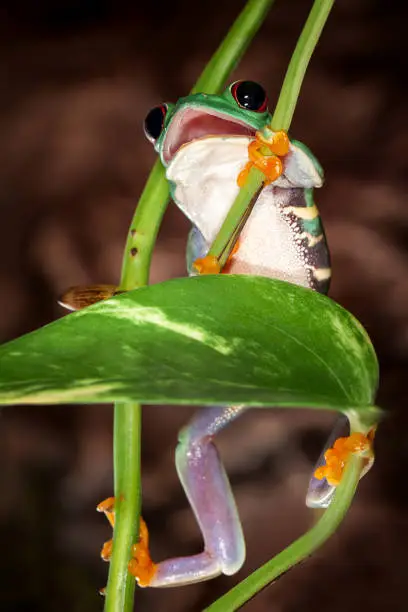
(143, 230)
(302, 548)
(135, 273)
(121, 585)
(233, 47)
(228, 234)
(281, 120)
(285, 108)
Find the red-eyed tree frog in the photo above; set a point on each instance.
(207, 144)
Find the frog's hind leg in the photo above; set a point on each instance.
(330, 466)
(208, 490)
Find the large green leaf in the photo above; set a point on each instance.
(213, 339)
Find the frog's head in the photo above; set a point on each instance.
(240, 110)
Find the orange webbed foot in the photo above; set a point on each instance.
(107, 506)
(278, 142)
(207, 265)
(337, 456)
(106, 551)
(243, 175)
(141, 565)
(264, 153)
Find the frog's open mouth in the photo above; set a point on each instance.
(194, 123)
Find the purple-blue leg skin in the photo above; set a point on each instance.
(208, 490)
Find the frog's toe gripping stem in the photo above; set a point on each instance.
(336, 457)
(207, 265)
(211, 265)
(208, 491)
(278, 142)
(106, 551)
(332, 462)
(107, 506)
(141, 565)
(264, 153)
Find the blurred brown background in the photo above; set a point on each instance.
(77, 79)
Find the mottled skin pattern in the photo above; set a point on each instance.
(308, 234)
(203, 142)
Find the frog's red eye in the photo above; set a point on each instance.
(154, 122)
(250, 95)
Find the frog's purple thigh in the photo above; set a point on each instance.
(206, 485)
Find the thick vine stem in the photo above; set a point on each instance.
(121, 585)
(285, 107)
(135, 273)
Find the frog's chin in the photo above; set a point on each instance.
(195, 123)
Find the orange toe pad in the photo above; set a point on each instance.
(141, 565)
(107, 506)
(106, 551)
(207, 265)
(336, 457)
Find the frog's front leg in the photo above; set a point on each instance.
(206, 485)
(264, 153)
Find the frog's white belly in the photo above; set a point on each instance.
(204, 173)
(266, 246)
